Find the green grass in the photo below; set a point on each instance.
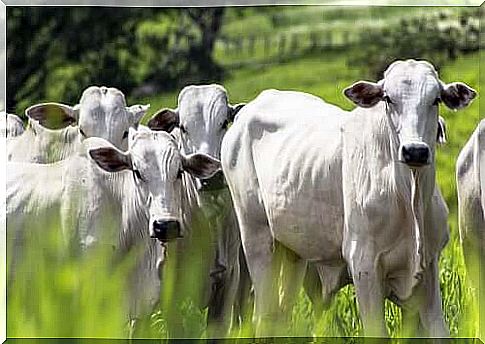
(81, 297)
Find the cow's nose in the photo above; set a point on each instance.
(164, 230)
(415, 154)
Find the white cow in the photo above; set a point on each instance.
(141, 192)
(354, 193)
(470, 178)
(201, 121)
(11, 125)
(56, 130)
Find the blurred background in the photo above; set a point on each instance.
(53, 54)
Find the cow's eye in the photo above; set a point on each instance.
(125, 135)
(137, 175)
(437, 101)
(179, 174)
(388, 100)
(225, 124)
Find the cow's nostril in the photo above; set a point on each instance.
(166, 230)
(104, 90)
(415, 154)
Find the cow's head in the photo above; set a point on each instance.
(101, 112)
(412, 92)
(203, 116)
(157, 166)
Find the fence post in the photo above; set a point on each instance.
(251, 44)
(282, 44)
(313, 41)
(294, 44)
(345, 38)
(266, 45)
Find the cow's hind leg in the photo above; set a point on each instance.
(293, 273)
(264, 269)
(244, 303)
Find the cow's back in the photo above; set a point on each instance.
(285, 147)
(41, 145)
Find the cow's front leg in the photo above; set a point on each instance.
(224, 274)
(368, 280)
(223, 294)
(430, 310)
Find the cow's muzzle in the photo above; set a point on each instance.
(164, 230)
(415, 154)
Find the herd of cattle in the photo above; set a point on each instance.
(304, 192)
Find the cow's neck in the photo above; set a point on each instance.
(415, 189)
(129, 202)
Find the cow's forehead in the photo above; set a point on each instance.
(193, 99)
(410, 69)
(110, 95)
(153, 142)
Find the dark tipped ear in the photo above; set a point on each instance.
(441, 135)
(164, 120)
(457, 95)
(233, 110)
(365, 94)
(53, 115)
(111, 159)
(200, 165)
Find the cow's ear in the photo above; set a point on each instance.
(111, 159)
(138, 111)
(164, 120)
(364, 93)
(200, 165)
(441, 135)
(233, 110)
(53, 115)
(457, 95)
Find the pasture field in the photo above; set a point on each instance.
(58, 294)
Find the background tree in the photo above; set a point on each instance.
(54, 53)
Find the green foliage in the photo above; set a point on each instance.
(55, 53)
(439, 37)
